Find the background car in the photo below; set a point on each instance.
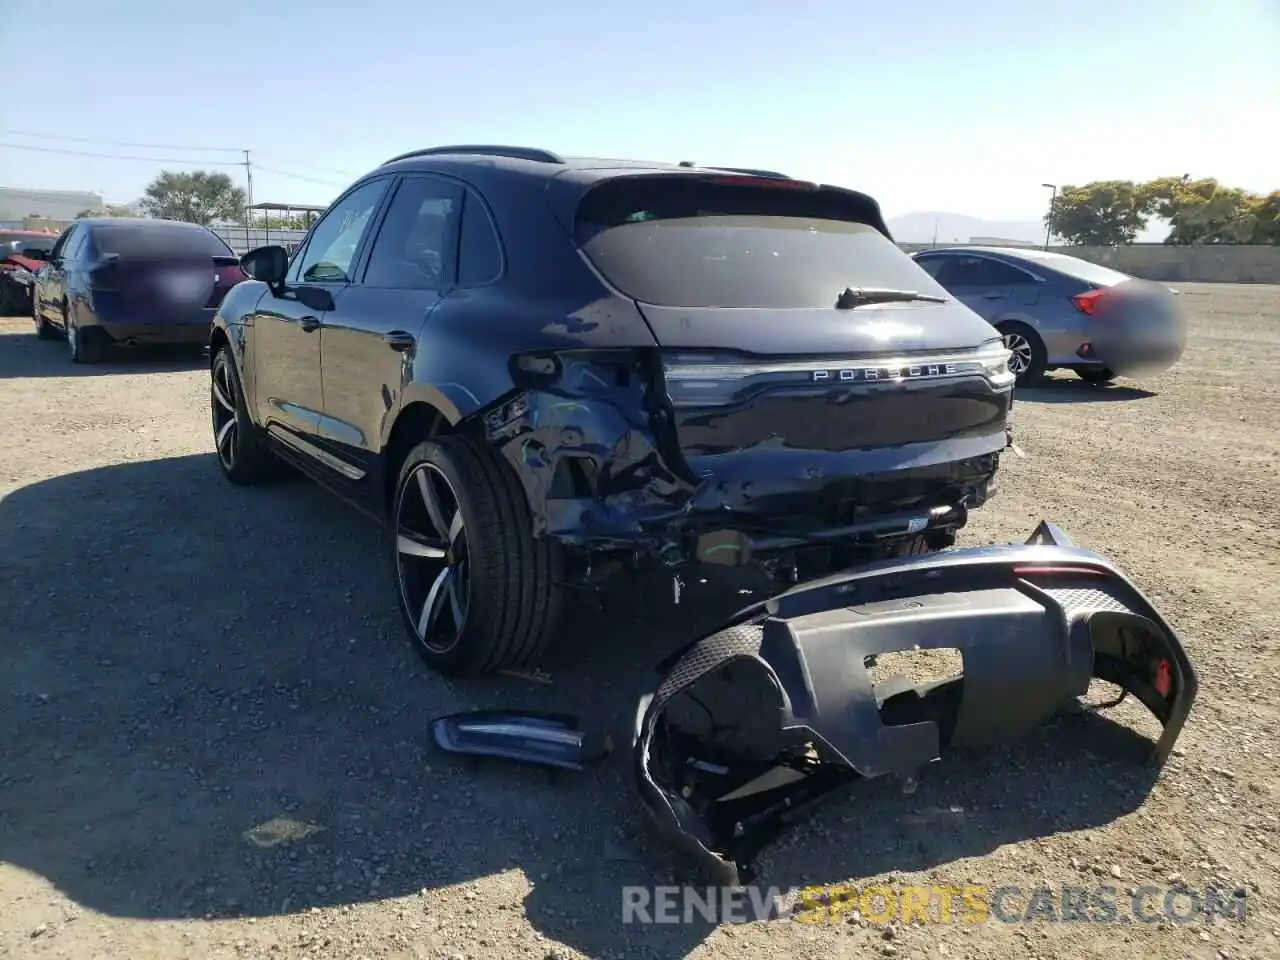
(537, 370)
(133, 281)
(21, 255)
(1061, 312)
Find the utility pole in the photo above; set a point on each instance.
(248, 212)
(1052, 197)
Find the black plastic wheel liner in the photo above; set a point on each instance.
(1033, 623)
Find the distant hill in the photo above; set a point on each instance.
(957, 228)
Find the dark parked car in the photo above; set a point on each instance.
(132, 281)
(1061, 312)
(536, 370)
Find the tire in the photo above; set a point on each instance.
(44, 329)
(478, 591)
(241, 449)
(1099, 375)
(1028, 357)
(84, 345)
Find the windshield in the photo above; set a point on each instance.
(731, 242)
(158, 240)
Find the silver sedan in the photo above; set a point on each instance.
(1061, 312)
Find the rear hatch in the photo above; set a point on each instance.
(161, 272)
(739, 279)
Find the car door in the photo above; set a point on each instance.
(989, 287)
(368, 344)
(50, 285)
(288, 389)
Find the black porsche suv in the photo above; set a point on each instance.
(536, 369)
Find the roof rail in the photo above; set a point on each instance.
(487, 150)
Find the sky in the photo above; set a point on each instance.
(966, 107)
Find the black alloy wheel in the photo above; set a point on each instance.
(479, 592)
(431, 554)
(242, 452)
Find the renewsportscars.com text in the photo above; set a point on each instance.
(967, 903)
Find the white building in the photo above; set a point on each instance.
(19, 203)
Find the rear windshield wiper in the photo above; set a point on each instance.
(861, 296)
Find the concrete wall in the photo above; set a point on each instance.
(1196, 264)
(1200, 264)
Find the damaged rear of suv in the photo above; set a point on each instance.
(535, 365)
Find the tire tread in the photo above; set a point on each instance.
(520, 595)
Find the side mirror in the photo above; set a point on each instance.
(268, 264)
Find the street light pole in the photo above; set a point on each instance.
(1053, 197)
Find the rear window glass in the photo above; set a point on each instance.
(157, 240)
(697, 242)
(1075, 267)
(16, 243)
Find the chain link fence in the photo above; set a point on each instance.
(242, 239)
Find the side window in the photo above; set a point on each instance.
(1003, 275)
(417, 244)
(60, 248)
(75, 244)
(981, 272)
(931, 265)
(331, 252)
(479, 251)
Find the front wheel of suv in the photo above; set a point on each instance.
(242, 452)
(478, 591)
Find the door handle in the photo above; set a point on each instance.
(993, 296)
(398, 340)
(309, 323)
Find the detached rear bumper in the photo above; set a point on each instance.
(1033, 623)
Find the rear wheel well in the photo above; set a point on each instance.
(417, 422)
(217, 341)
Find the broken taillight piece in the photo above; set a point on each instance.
(1164, 678)
(775, 183)
(545, 738)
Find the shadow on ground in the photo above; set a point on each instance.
(1054, 390)
(25, 356)
(210, 710)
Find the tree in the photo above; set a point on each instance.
(1266, 219)
(282, 223)
(1102, 214)
(107, 211)
(197, 197)
(1203, 211)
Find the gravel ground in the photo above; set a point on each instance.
(213, 735)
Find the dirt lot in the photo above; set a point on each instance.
(213, 736)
